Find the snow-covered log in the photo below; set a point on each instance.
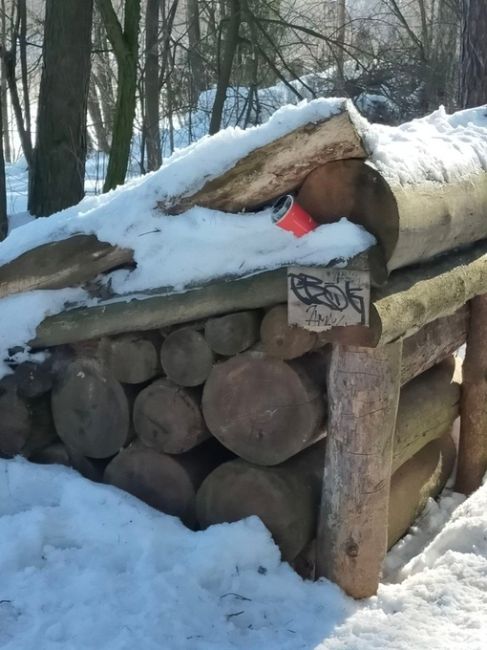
(60, 264)
(278, 167)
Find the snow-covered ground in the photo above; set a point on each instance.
(86, 566)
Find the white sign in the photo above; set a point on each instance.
(320, 298)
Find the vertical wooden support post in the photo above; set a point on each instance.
(472, 453)
(363, 394)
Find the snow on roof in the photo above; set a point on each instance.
(437, 148)
(85, 565)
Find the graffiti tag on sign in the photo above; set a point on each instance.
(319, 298)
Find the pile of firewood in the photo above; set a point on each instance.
(220, 419)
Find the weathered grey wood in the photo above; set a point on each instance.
(413, 222)
(168, 418)
(472, 455)
(34, 379)
(233, 333)
(132, 358)
(186, 357)
(433, 343)
(282, 341)
(274, 169)
(57, 453)
(363, 394)
(90, 410)
(428, 406)
(418, 296)
(421, 477)
(25, 425)
(168, 483)
(263, 409)
(61, 264)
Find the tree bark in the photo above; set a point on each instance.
(363, 394)
(3, 187)
(125, 47)
(472, 455)
(473, 66)
(56, 179)
(151, 98)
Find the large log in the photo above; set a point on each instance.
(274, 169)
(413, 222)
(186, 357)
(281, 340)
(433, 343)
(363, 393)
(60, 264)
(168, 483)
(132, 358)
(232, 333)
(90, 410)
(168, 418)
(263, 409)
(428, 406)
(286, 497)
(418, 296)
(472, 454)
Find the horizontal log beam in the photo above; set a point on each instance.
(274, 169)
(418, 296)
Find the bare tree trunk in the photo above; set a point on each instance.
(125, 46)
(3, 191)
(97, 118)
(194, 55)
(473, 75)
(3, 91)
(340, 53)
(230, 47)
(56, 178)
(151, 117)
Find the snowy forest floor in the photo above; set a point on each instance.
(88, 566)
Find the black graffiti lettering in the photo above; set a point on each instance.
(313, 292)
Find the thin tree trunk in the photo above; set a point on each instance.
(151, 126)
(473, 75)
(226, 65)
(97, 118)
(3, 191)
(125, 47)
(197, 83)
(3, 91)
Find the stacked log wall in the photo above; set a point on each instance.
(218, 419)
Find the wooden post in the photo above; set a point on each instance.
(472, 453)
(363, 397)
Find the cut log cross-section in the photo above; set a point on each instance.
(132, 358)
(233, 333)
(413, 222)
(363, 396)
(264, 410)
(168, 418)
(472, 454)
(282, 341)
(168, 483)
(186, 357)
(90, 410)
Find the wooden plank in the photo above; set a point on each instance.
(472, 455)
(363, 395)
(275, 169)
